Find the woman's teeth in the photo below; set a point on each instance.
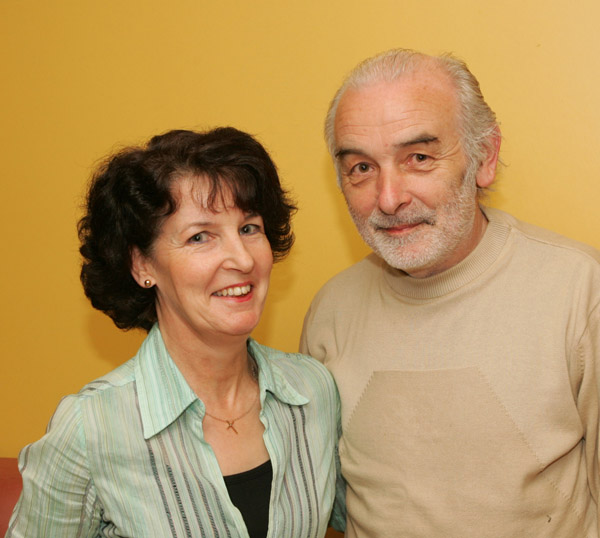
(234, 291)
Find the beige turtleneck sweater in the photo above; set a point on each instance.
(470, 398)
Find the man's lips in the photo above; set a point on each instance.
(399, 228)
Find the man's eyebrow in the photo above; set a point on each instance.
(421, 139)
(347, 151)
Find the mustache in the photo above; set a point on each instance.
(379, 220)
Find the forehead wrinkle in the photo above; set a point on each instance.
(385, 118)
(421, 139)
(416, 126)
(393, 141)
(425, 98)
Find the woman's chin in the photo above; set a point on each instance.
(242, 327)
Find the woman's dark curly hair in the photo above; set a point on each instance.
(130, 195)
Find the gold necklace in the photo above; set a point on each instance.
(230, 423)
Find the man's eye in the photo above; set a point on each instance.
(361, 168)
(420, 157)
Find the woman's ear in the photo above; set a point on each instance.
(141, 269)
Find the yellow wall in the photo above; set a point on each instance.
(80, 78)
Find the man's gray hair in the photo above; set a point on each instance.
(476, 119)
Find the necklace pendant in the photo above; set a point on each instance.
(230, 426)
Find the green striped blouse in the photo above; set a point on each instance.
(126, 456)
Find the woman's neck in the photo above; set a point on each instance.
(218, 369)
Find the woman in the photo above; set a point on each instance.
(204, 432)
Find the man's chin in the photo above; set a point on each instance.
(405, 260)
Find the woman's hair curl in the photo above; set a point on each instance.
(130, 195)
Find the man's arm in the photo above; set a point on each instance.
(308, 346)
(588, 399)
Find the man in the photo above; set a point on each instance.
(466, 348)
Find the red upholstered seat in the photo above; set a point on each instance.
(10, 489)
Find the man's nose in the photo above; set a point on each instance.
(393, 192)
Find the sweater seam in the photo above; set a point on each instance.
(362, 395)
(586, 328)
(571, 248)
(554, 485)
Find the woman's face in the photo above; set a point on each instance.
(211, 268)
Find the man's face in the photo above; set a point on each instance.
(403, 173)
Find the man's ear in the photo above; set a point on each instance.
(141, 268)
(487, 170)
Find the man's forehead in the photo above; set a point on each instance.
(397, 112)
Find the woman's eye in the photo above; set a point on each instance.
(200, 237)
(248, 229)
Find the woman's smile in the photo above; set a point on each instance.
(211, 266)
(238, 290)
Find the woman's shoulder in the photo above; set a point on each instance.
(113, 386)
(120, 376)
(57, 469)
(296, 361)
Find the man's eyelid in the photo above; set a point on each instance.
(418, 157)
(354, 166)
(358, 165)
(349, 158)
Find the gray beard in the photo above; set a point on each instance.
(439, 234)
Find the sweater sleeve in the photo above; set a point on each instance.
(588, 400)
(309, 346)
(304, 346)
(58, 496)
(316, 339)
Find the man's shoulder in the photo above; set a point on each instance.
(346, 282)
(342, 294)
(546, 240)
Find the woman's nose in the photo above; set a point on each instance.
(237, 255)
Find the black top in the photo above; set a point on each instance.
(250, 492)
